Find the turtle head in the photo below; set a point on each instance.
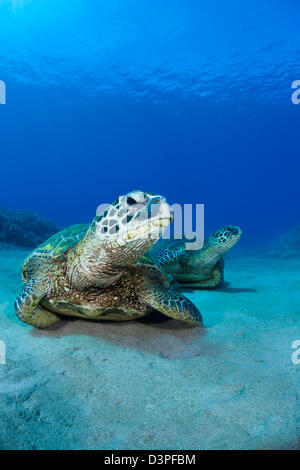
(213, 249)
(118, 237)
(133, 222)
(225, 238)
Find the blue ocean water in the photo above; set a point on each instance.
(189, 99)
(185, 98)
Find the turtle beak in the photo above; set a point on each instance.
(239, 232)
(235, 230)
(160, 212)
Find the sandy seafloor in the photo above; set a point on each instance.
(158, 384)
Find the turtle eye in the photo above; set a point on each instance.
(131, 201)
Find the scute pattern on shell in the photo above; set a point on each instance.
(54, 246)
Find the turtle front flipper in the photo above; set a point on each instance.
(30, 311)
(215, 280)
(167, 256)
(171, 303)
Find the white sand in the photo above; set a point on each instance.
(158, 384)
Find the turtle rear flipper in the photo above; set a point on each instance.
(30, 311)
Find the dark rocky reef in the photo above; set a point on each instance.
(287, 245)
(24, 228)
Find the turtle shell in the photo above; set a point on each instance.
(54, 246)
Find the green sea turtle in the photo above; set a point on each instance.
(94, 271)
(202, 268)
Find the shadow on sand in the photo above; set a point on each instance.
(225, 287)
(154, 334)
